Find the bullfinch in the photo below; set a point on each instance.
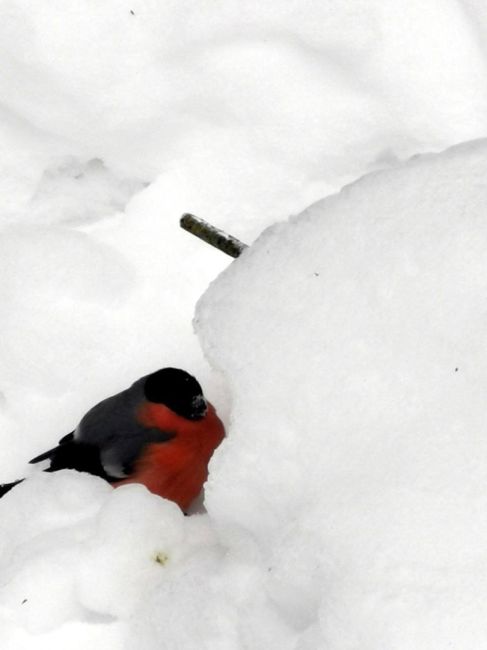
(160, 432)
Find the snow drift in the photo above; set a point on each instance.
(356, 457)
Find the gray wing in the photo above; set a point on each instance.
(111, 426)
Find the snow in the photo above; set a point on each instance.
(242, 113)
(343, 349)
(356, 451)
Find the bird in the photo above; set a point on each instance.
(160, 432)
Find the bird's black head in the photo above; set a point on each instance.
(177, 390)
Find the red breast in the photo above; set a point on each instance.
(178, 468)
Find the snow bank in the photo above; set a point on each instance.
(355, 460)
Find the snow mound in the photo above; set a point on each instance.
(353, 338)
(75, 549)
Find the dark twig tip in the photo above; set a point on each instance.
(212, 235)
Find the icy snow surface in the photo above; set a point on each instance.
(346, 507)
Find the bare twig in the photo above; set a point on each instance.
(211, 235)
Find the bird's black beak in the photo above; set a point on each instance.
(199, 407)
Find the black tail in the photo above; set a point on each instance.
(6, 487)
(44, 456)
(69, 454)
(53, 452)
(72, 454)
